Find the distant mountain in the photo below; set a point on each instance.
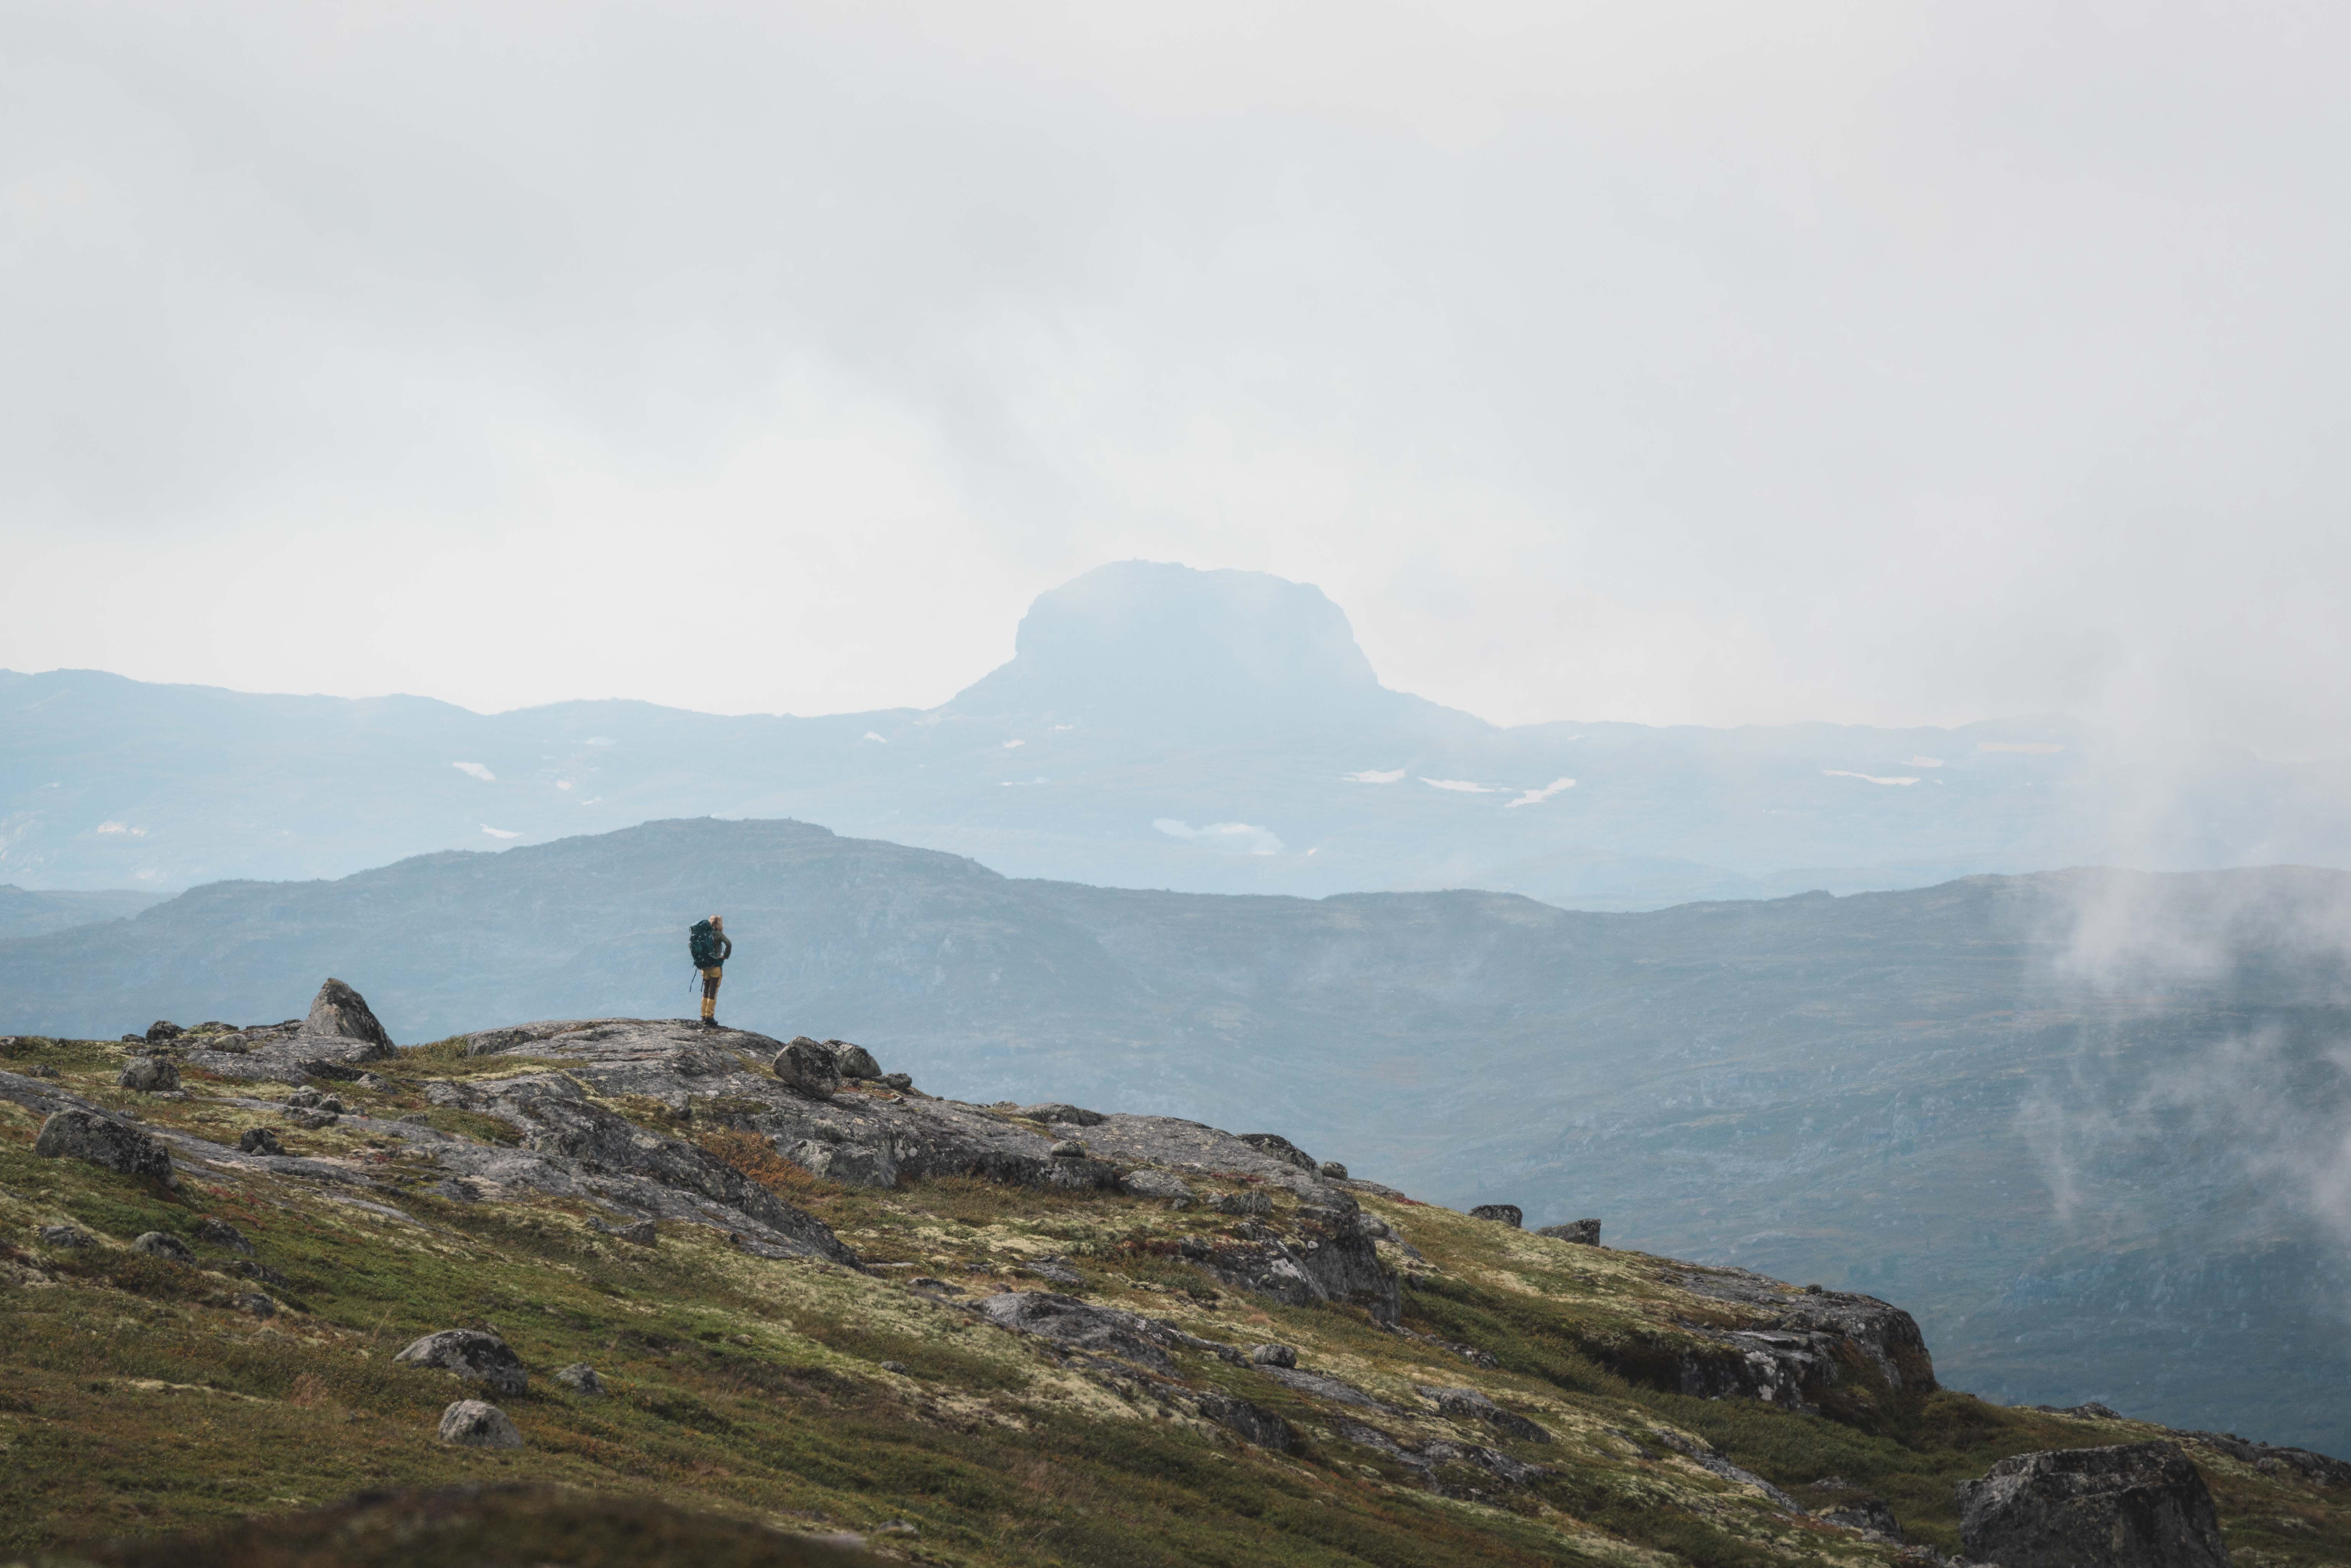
(26, 914)
(2087, 1124)
(1156, 727)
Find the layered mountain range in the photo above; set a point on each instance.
(1157, 727)
(2086, 1126)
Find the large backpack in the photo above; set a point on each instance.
(703, 943)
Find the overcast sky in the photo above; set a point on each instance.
(1717, 364)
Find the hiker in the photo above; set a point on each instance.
(712, 947)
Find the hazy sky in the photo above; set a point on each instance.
(1681, 363)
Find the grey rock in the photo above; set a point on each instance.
(415, 1118)
(1281, 1148)
(643, 1232)
(1583, 1232)
(2319, 1469)
(164, 1245)
(2139, 1505)
(39, 1069)
(1332, 1170)
(261, 1271)
(150, 1074)
(1056, 1270)
(1247, 1203)
(469, 1353)
(1253, 1423)
(159, 1031)
(1328, 1258)
(309, 1096)
(897, 1366)
(310, 1120)
(259, 1140)
(807, 1068)
(854, 1061)
(1052, 1112)
(901, 1081)
(339, 1012)
(1067, 1149)
(103, 1141)
(580, 1378)
(254, 1304)
(471, 1424)
(68, 1237)
(1273, 1355)
(221, 1233)
(1090, 1331)
(1794, 1363)
(1469, 1404)
(1150, 1183)
(1870, 1515)
(1705, 1458)
(1507, 1214)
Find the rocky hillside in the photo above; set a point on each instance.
(756, 1300)
(2034, 1107)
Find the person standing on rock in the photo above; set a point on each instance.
(712, 947)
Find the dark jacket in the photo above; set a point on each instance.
(709, 946)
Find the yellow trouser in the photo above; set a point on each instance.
(710, 991)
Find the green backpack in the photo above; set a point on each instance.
(704, 943)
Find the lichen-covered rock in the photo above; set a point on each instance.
(338, 1012)
(471, 1424)
(1253, 1423)
(1332, 1170)
(159, 1031)
(71, 1238)
(259, 1140)
(469, 1353)
(164, 1245)
(580, 1378)
(1054, 1112)
(1281, 1148)
(103, 1141)
(1583, 1232)
(1150, 1183)
(221, 1233)
(807, 1068)
(150, 1074)
(854, 1061)
(254, 1304)
(1469, 1404)
(2139, 1505)
(1509, 1214)
(1273, 1355)
(1067, 1149)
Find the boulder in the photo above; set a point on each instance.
(1584, 1232)
(164, 1245)
(808, 1068)
(1469, 1404)
(471, 1424)
(1332, 1170)
(159, 1031)
(259, 1140)
(1281, 1148)
(221, 1233)
(2139, 1505)
(854, 1061)
(1247, 1203)
(1149, 1182)
(65, 1236)
(901, 1081)
(580, 1378)
(1053, 1111)
(103, 1141)
(1254, 1423)
(1870, 1515)
(312, 1120)
(150, 1074)
(1509, 1214)
(1273, 1355)
(254, 1304)
(469, 1353)
(342, 1013)
(1068, 1149)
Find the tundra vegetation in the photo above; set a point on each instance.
(1101, 1339)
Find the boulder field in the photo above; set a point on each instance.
(737, 1273)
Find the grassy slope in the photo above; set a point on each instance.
(135, 1402)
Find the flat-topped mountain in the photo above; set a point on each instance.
(2032, 1106)
(1214, 732)
(691, 1294)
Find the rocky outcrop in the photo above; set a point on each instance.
(1282, 1149)
(1806, 1346)
(469, 1354)
(1509, 1214)
(807, 1068)
(1469, 1404)
(1583, 1232)
(338, 1012)
(89, 1135)
(2140, 1505)
(1326, 1258)
(150, 1074)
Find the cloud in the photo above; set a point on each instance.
(1010, 744)
(1922, 762)
(123, 828)
(1257, 841)
(883, 738)
(2030, 747)
(1545, 793)
(1373, 776)
(500, 832)
(1463, 786)
(475, 770)
(1866, 777)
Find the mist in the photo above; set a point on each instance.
(1876, 363)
